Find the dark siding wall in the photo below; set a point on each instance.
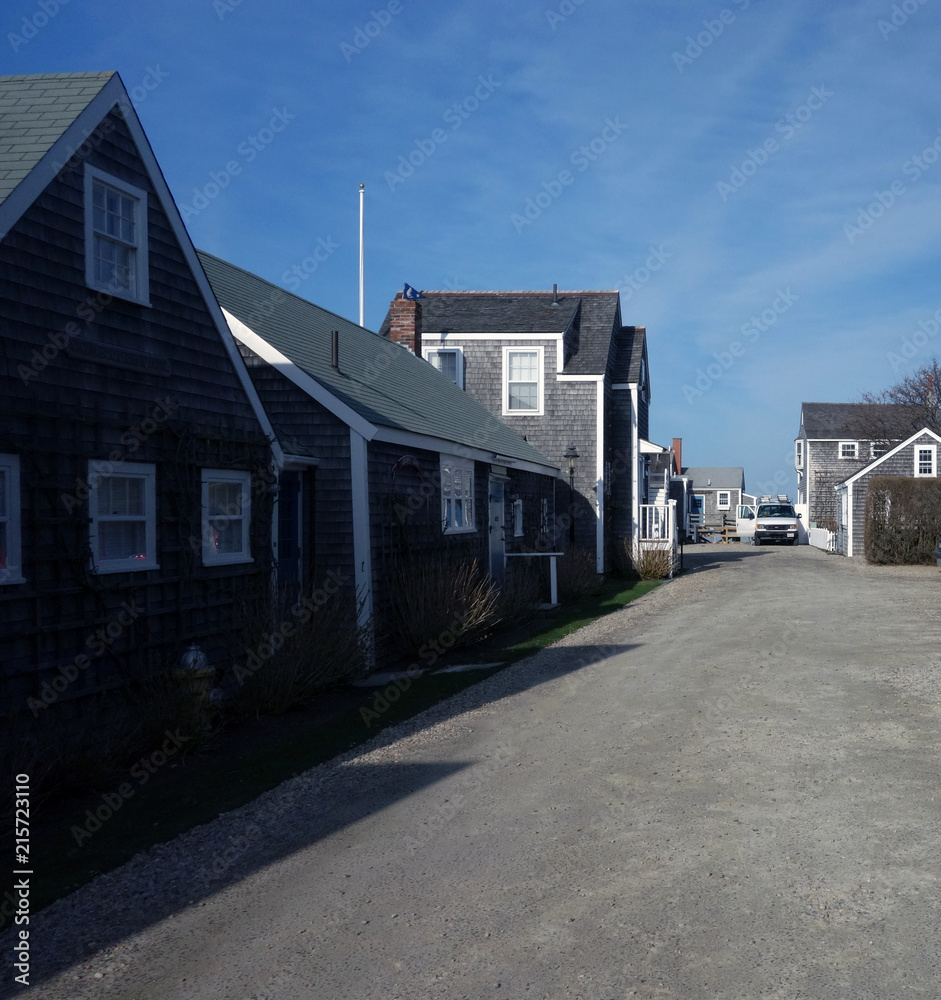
(714, 516)
(824, 469)
(304, 427)
(618, 508)
(58, 412)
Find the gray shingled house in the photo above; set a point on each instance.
(836, 440)
(135, 456)
(560, 369)
(914, 458)
(383, 454)
(714, 493)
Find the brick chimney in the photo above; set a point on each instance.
(677, 456)
(405, 323)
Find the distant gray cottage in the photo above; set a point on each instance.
(836, 440)
(715, 492)
(914, 458)
(560, 369)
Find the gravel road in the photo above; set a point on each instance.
(729, 789)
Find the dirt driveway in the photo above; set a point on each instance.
(730, 789)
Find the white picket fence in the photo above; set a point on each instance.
(657, 528)
(822, 539)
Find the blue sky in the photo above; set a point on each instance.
(760, 180)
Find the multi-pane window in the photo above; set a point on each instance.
(847, 449)
(115, 237)
(926, 460)
(10, 571)
(799, 454)
(449, 361)
(517, 518)
(122, 515)
(723, 500)
(226, 506)
(522, 381)
(457, 495)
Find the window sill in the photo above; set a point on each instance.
(127, 566)
(112, 294)
(459, 531)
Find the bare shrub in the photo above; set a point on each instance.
(289, 651)
(520, 596)
(903, 520)
(433, 596)
(654, 563)
(578, 576)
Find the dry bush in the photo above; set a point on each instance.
(903, 520)
(520, 596)
(292, 650)
(433, 596)
(577, 575)
(654, 564)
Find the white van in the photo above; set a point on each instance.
(745, 520)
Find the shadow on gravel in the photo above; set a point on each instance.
(180, 874)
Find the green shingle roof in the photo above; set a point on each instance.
(35, 111)
(381, 381)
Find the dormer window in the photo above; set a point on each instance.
(116, 237)
(522, 381)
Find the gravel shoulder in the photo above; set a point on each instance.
(728, 788)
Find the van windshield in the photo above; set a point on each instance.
(776, 510)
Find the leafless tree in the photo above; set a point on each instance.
(919, 394)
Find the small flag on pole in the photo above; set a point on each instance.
(411, 293)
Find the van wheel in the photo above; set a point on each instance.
(757, 541)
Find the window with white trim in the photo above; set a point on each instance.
(122, 513)
(522, 381)
(848, 449)
(457, 495)
(116, 237)
(449, 361)
(226, 516)
(878, 448)
(517, 518)
(799, 454)
(723, 500)
(10, 541)
(926, 460)
(844, 507)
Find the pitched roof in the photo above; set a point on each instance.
(631, 348)
(722, 477)
(592, 317)
(866, 470)
(35, 112)
(832, 421)
(382, 382)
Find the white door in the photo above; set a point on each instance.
(745, 520)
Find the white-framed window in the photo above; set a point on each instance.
(517, 518)
(457, 495)
(449, 361)
(926, 460)
(878, 448)
(522, 381)
(844, 507)
(115, 237)
(226, 516)
(122, 513)
(10, 540)
(798, 454)
(848, 449)
(723, 500)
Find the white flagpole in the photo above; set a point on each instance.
(362, 298)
